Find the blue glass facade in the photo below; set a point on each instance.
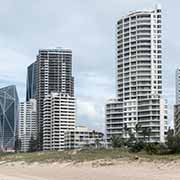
(31, 81)
(8, 117)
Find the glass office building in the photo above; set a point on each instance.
(31, 81)
(8, 117)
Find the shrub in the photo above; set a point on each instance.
(151, 148)
(156, 148)
(117, 141)
(173, 143)
(137, 146)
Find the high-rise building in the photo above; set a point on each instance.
(27, 123)
(59, 114)
(52, 72)
(139, 77)
(177, 105)
(178, 86)
(31, 82)
(177, 118)
(8, 117)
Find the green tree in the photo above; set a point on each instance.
(126, 130)
(33, 144)
(173, 141)
(146, 133)
(132, 139)
(97, 143)
(17, 144)
(117, 141)
(138, 129)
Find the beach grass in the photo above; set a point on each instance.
(83, 155)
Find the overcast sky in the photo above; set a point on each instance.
(88, 28)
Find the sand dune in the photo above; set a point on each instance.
(97, 170)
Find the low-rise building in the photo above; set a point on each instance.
(83, 137)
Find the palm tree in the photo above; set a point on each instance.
(116, 141)
(18, 144)
(146, 132)
(149, 134)
(94, 138)
(97, 143)
(125, 130)
(131, 138)
(137, 129)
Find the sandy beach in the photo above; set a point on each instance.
(125, 170)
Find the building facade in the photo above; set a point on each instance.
(59, 115)
(178, 86)
(8, 117)
(27, 123)
(31, 81)
(51, 72)
(177, 105)
(177, 118)
(82, 137)
(139, 77)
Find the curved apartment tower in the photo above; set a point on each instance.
(139, 77)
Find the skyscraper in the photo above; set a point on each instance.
(177, 105)
(139, 77)
(31, 81)
(178, 86)
(52, 72)
(27, 123)
(8, 117)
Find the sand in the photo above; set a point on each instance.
(96, 170)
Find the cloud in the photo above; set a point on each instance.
(92, 94)
(89, 114)
(88, 28)
(87, 109)
(13, 69)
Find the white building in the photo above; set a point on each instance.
(177, 118)
(82, 137)
(51, 72)
(178, 86)
(59, 114)
(177, 105)
(27, 123)
(139, 77)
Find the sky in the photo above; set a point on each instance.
(88, 28)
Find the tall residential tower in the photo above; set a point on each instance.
(177, 105)
(59, 114)
(27, 123)
(139, 77)
(51, 72)
(178, 86)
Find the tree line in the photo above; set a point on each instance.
(139, 139)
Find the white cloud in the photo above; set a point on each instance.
(88, 28)
(13, 69)
(86, 108)
(90, 113)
